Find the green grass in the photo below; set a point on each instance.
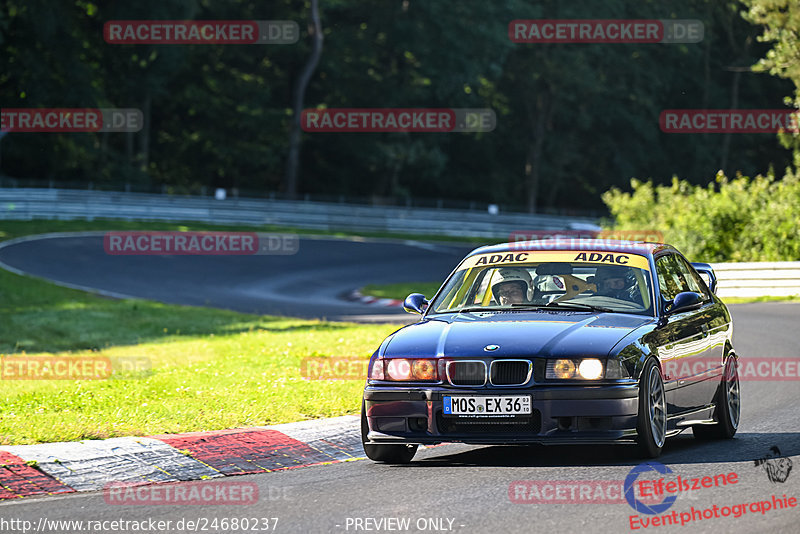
(211, 369)
(401, 291)
(245, 372)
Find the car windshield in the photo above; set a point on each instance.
(590, 280)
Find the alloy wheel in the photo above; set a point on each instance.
(732, 394)
(657, 407)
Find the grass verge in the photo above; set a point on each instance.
(210, 369)
(401, 291)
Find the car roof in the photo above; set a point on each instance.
(594, 245)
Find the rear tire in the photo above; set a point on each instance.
(728, 402)
(388, 454)
(651, 426)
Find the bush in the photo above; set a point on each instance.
(739, 219)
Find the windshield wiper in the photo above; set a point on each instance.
(567, 306)
(553, 305)
(580, 305)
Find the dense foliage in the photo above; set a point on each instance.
(741, 219)
(781, 22)
(573, 119)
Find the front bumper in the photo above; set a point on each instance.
(561, 414)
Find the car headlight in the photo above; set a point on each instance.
(590, 369)
(423, 370)
(561, 369)
(398, 369)
(583, 369)
(403, 369)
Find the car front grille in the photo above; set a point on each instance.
(510, 372)
(466, 372)
(468, 425)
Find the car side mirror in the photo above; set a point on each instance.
(685, 301)
(414, 303)
(707, 274)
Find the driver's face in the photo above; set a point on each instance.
(510, 294)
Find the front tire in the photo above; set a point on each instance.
(728, 402)
(651, 427)
(388, 454)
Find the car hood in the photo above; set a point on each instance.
(538, 334)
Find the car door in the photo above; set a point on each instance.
(683, 346)
(705, 376)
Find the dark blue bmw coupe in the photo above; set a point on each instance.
(557, 342)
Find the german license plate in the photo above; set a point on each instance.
(499, 405)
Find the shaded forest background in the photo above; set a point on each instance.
(573, 120)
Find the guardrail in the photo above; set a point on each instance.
(758, 279)
(752, 279)
(65, 204)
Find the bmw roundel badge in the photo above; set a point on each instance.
(491, 348)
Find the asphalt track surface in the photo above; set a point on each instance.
(310, 284)
(470, 485)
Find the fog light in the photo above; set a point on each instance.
(591, 369)
(398, 369)
(417, 424)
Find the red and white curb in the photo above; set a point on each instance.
(91, 465)
(357, 296)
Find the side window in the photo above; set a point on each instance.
(695, 282)
(670, 277)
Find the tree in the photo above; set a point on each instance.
(315, 32)
(781, 22)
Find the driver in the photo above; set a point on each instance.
(511, 286)
(617, 282)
